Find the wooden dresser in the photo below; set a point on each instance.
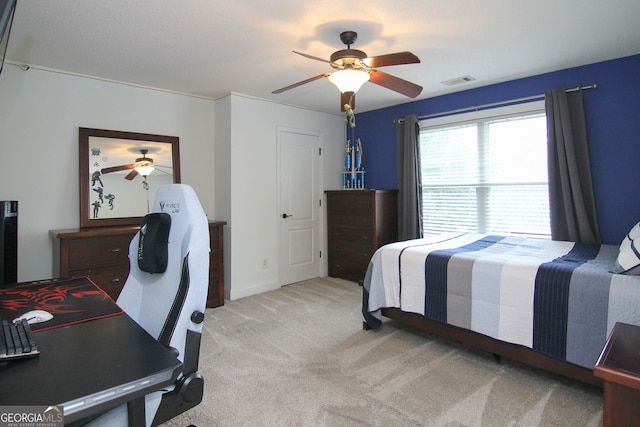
(359, 222)
(103, 255)
(215, 297)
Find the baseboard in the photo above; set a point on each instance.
(251, 290)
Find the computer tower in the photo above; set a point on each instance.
(8, 242)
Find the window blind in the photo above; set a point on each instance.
(486, 172)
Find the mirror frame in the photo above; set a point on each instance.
(85, 135)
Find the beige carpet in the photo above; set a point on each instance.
(298, 356)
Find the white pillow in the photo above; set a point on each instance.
(631, 235)
(628, 261)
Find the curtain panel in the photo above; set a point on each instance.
(571, 199)
(409, 178)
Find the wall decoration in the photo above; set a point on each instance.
(353, 175)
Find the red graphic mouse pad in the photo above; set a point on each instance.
(72, 300)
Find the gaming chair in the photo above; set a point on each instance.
(166, 293)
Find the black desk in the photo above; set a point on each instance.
(89, 368)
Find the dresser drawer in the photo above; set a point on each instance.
(358, 235)
(109, 279)
(347, 269)
(352, 252)
(353, 219)
(99, 251)
(355, 204)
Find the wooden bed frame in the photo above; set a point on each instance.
(517, 353)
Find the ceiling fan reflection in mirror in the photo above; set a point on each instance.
(353, 68)
(142, 166)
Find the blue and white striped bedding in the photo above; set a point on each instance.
(558, 298)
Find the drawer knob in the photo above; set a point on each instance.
(114, 250)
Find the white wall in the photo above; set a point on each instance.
(40, 113)
(250, 193)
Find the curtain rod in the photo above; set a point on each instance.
(496, 104)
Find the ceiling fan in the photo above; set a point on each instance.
(355, 68)
(142, 166)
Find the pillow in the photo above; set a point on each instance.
(628, 261)
(153, 250)
(631, 235)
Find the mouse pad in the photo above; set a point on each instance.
(70, 301)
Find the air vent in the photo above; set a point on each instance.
(458, 80)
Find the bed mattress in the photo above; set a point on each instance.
(558, 298)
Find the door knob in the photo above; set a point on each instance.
(285, 216)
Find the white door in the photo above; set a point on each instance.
(300, 208)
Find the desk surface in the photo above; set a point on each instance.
(89, 368)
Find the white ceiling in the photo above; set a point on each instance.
(210, 48)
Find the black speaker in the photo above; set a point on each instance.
(8, 243)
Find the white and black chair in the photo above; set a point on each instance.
(166, 293)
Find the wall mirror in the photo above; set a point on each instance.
(120, 173)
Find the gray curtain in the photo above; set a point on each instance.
(572, 204)
(409, 179)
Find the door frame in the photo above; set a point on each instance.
(321, 215)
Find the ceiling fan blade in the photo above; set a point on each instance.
(164, 172)
(347, 98)
(131, 175)
(117, 168)
(301, 83)
(394, 83)
(306, 55)
(399, 58)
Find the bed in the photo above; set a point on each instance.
(548, 304)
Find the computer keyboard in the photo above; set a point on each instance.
(16, 341)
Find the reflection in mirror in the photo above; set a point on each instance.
(119, 187)
(120, 173)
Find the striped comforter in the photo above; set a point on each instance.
(558, 298)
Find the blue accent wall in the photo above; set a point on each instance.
(613, 130)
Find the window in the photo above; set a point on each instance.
(486, 172)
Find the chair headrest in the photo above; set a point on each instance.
(153, 252)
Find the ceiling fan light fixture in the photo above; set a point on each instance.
(144, 166)
(349, 80)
